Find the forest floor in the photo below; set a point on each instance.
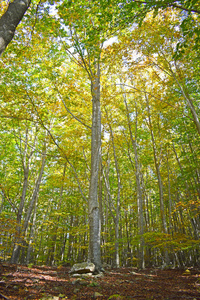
(19, 282)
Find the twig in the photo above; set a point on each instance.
(4, 297)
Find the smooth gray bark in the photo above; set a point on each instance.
(141, 261)
(157, 166)
(32, 235)
(10, 20)
(117, 208)
(118, 203)
(17, 246)
(52, 251)
(94, 215)
(26, 164)
(159, 178)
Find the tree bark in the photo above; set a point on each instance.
(94, 215)
(17, 246)
(26, 164)
(32, 235)
(157, 166)
(141, 261)
(117, 208)
(52, 251)
(10, 20)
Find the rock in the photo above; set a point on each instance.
(83, 283)
(50, 298)
(99, 275)
(106, 266)
(96, 295)
(82, 268)
(115, 297)
(83, 275)
(76, 281)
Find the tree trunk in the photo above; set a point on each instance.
(157, 166)
(141, 262)
(10, 20)
(32, 235)
(26, 162)
(94, 215)
(117, 208)
(159, 178)
(54, 237)
(17, 246)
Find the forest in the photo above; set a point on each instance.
(100, 134)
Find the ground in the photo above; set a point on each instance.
(19, 282)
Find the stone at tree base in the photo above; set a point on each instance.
(82, 275)
(96, 295)
(50, 298)
(82, 268)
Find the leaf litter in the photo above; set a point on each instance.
(20, 282)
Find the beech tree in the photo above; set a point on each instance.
(10, 20)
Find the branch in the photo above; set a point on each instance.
(58, 146)
(63, 101)
(132, 87)
(186, 9)
(4, 297)
(8, 199)
(160, 5)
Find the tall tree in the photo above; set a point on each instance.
(88, 26)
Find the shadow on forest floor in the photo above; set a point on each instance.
(19, 282)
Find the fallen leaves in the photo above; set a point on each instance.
(45, 283)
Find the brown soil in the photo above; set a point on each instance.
(21, 282)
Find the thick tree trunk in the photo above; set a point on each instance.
(94, 215)
(10, 20)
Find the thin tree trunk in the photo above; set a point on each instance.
(2, 202)
(157, 165)
(25, 163)
(169, 195)
(160, 184)
(54, 238)
(32, 235)
(17, 246)
(117, 208)
(141, 262)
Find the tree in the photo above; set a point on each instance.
(87, 23)
(10, 20)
